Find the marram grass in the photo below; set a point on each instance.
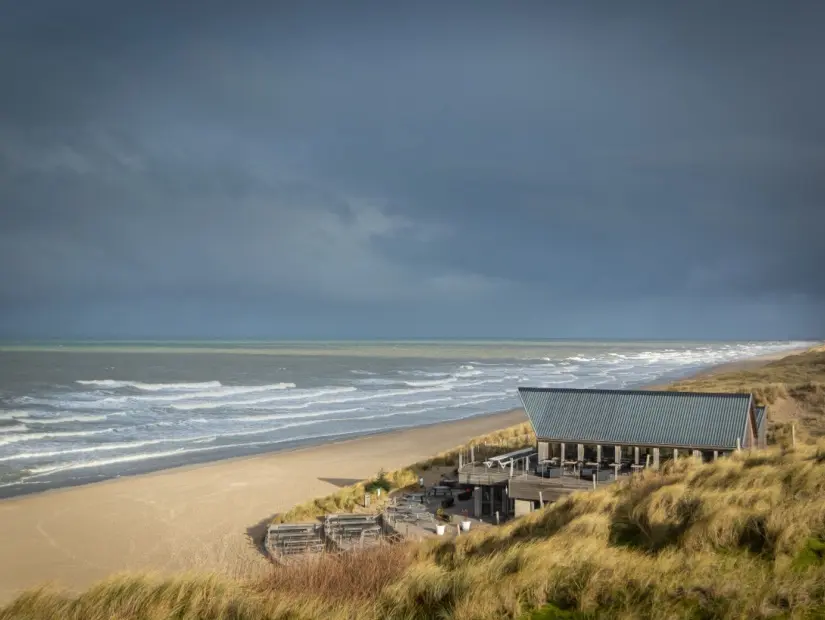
(740, 538)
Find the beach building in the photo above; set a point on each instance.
(587, 437)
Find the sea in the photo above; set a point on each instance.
(77, 413)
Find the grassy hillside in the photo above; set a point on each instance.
(740, 538)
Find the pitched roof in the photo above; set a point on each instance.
(638, 417)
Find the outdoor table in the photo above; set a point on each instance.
(441, 490)
(572, 465)
(637, 467)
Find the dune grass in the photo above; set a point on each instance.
(740, 538)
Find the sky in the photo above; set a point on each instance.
(403, 170)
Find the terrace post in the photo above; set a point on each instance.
(561, 460)
(598, 453)
(460, 459)
(675, 454)
(580, 452)
(655, 458)
(617, 454)
(715, 454)
(512, 463)
(472, 455)
(636, 455)
(697, 454)
(543, 450)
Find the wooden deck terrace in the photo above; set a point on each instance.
(531, 487)
(480, 474)
(527, 484)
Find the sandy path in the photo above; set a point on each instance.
(194, 517)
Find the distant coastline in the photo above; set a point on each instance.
(353, 348)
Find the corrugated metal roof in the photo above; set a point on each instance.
(637, 417)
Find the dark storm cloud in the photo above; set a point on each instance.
(464, 169)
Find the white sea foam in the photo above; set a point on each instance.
(430, 383)
(150, 387)
(106, 447)
(289, 416)
(72, 418)
(14, 414)
(55, 435)
(217, 394)
(13, 428)
(46, 470)
(252, 402)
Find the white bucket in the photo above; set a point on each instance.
(439, 529)
(465, 526)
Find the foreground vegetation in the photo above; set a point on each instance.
(740, 538)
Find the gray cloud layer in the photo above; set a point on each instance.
(247, 170)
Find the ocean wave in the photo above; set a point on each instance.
(378, 416)
(430, 383)
(225, 391)
(53, 435)
(302, 395)
(290, 416)
(13, 428)
(106, 447)
(46, 470)
(150, 387)
(73, 418)
(14, 414)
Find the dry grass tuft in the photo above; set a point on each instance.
(355, 576)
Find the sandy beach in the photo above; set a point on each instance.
(197, 517)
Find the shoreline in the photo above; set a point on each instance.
(196, 516)
(18, 490)
(264, 454)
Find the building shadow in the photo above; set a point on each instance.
(340, 482)
(256, 535)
